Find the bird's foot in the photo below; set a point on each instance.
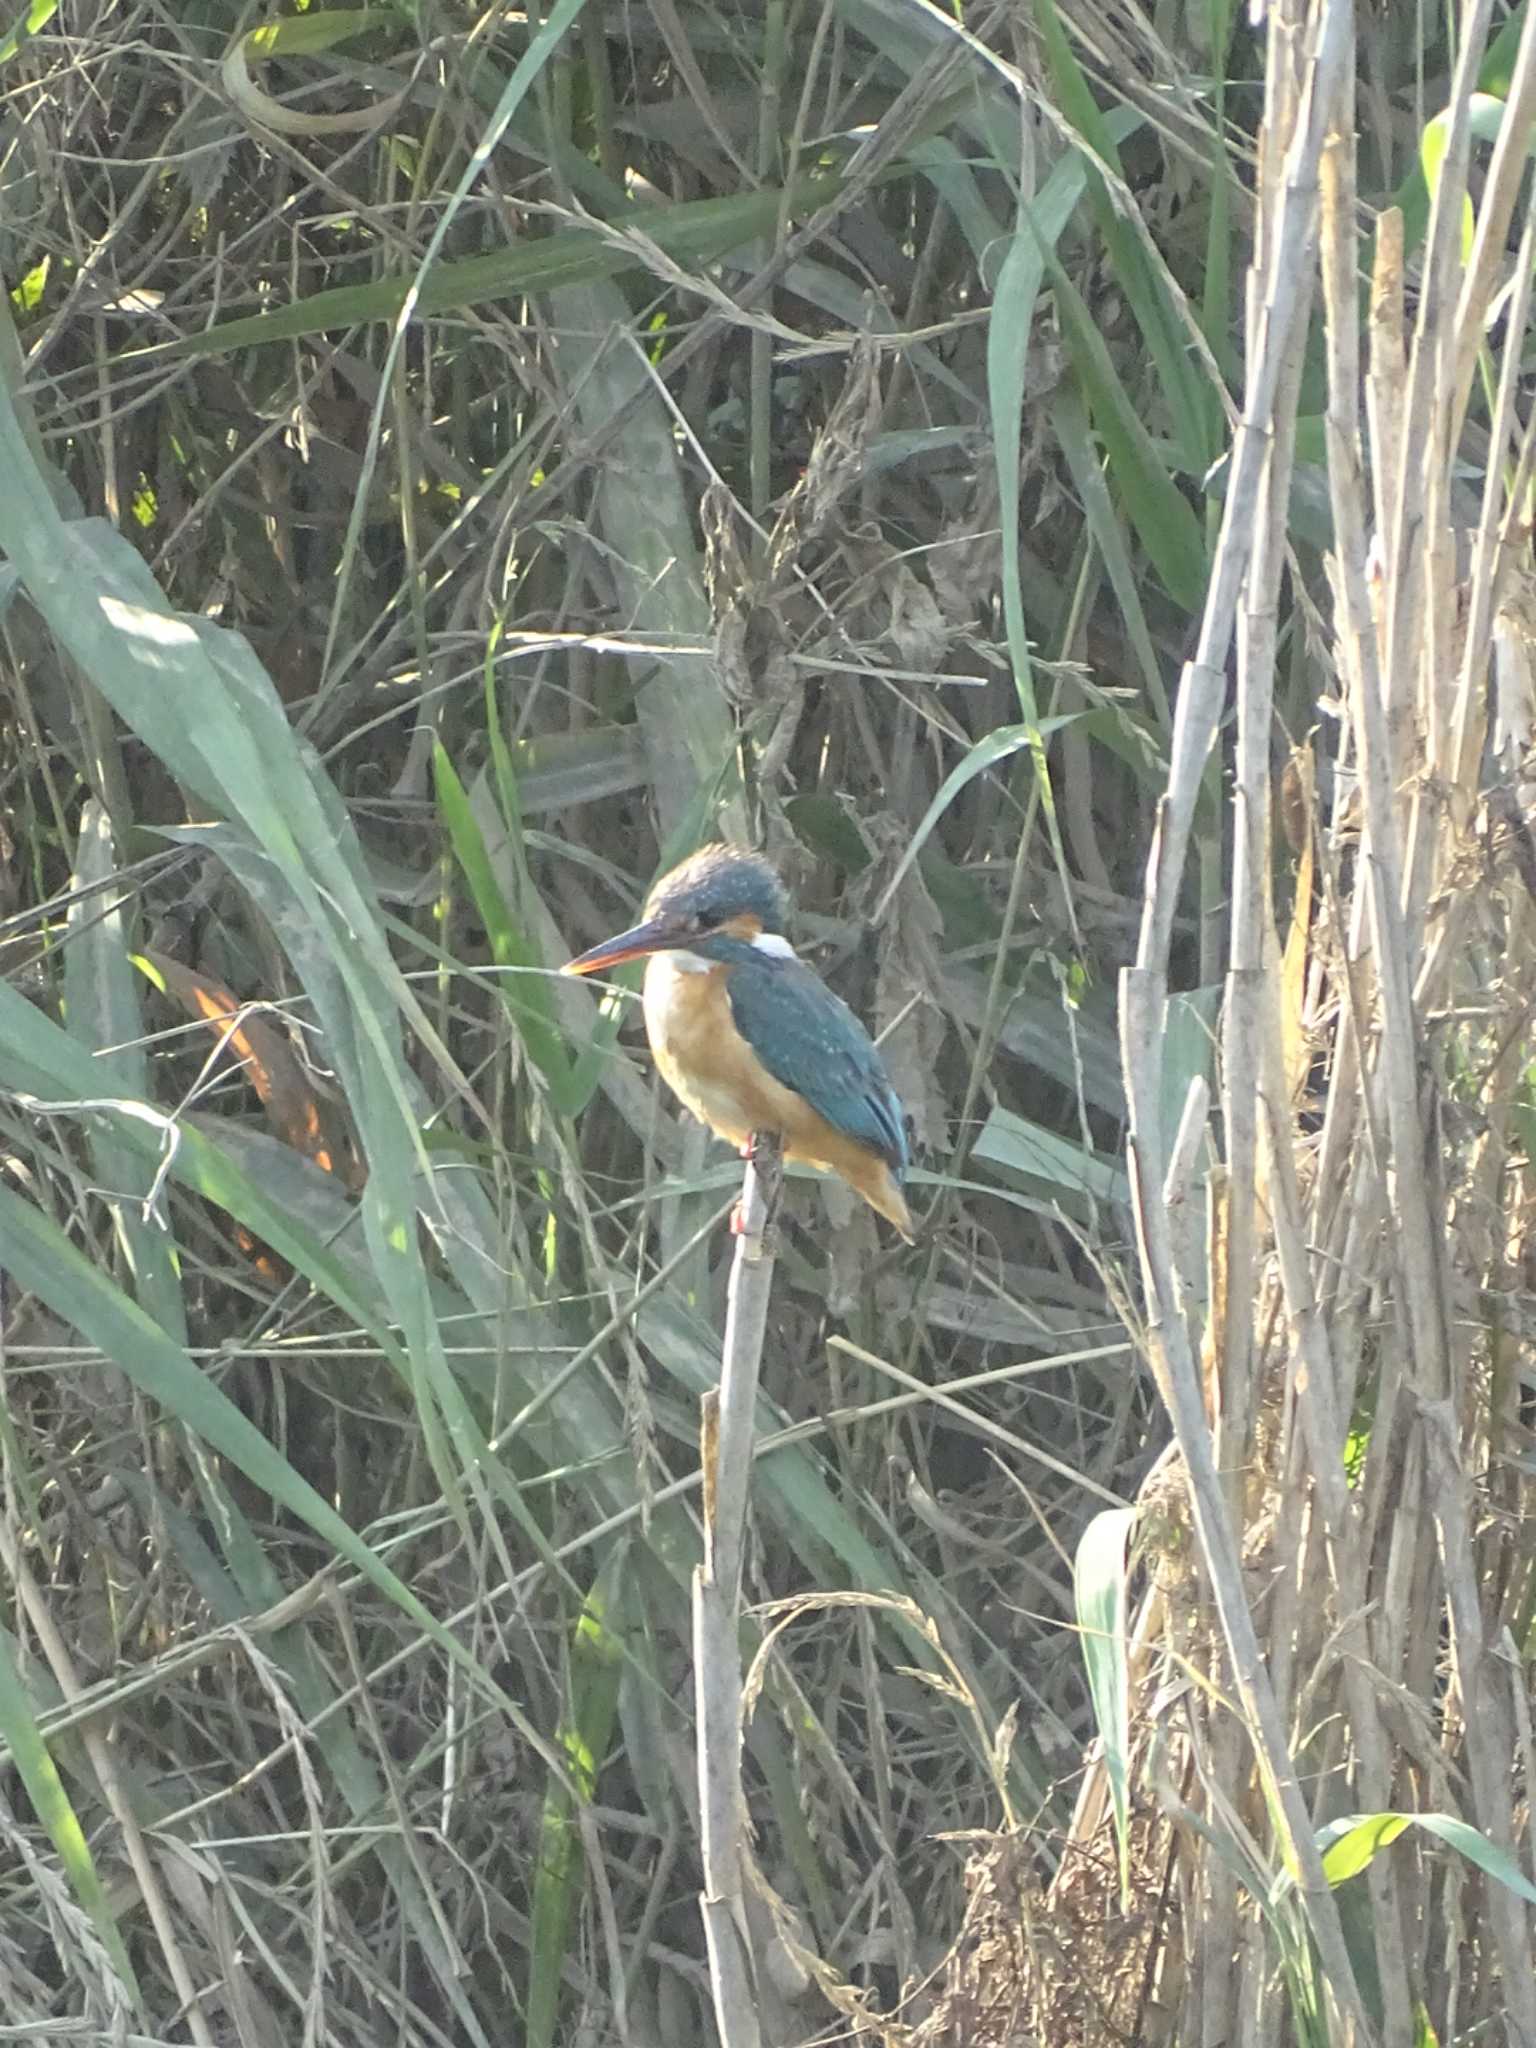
(764, 1152)
(767, 1234)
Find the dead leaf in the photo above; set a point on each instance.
(297, 1112)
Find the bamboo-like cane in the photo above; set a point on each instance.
(1280, 298)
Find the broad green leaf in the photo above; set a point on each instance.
(699, 231)
(303, 34)
(1190, 1028)
(779, 1759)
(510, 781)
(1193, 416)
(559, 769)
(1223, 249)
(1083, 1059)
(1485, 117)
(1498, 66)
(41, 1258)
(33, 22)
(1164, 520)
(988, 752)
(509, 791)
(953, 178)
(1098, 1584)
(1352, 1842)
(1049, 1164)
(1086, 466)
(199, 699)
(642, 516)
(828, 827)
(197, 696)
(986, 104)
(1039, 224)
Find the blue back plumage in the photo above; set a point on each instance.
(810, 1041)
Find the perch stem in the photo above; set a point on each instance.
(726, 1456)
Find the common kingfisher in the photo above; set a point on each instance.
(750, 1038)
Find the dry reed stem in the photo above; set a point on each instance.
(1280, 294)
(1397, 881)
(726, 1456)
(1376, 1201)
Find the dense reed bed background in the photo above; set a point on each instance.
(1056, 476)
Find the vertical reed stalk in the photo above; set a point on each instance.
(726, 1457)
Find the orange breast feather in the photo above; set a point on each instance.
(714, 1072)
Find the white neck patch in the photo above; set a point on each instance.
(774, 944)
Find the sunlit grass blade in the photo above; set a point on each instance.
(595, 1666)
(511, 787)
(1039, 224)
(29, 1753)
(41, 1258)
(198, 697)
(990, 751)
(1098, 1581)
(700, 231)
(520, 983)
(1194, 416)
(1352, 1842)
(41, 1062)
(1085, 463)
(1164, 521)
(33, 22)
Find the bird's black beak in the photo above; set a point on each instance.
(657, 935)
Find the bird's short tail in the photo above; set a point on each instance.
(882, 1190)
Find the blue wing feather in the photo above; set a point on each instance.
(810, 1040)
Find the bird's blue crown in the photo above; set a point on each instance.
(718, 883)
